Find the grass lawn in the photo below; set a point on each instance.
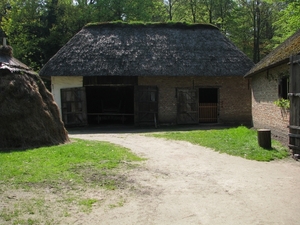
(77, 162)
(239, 141)
(48, 184)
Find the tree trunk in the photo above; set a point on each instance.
(193, 9)
(256, 31)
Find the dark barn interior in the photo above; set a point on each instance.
(110, 104)
(208, 105)
(208, 95)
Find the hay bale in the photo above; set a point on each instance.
(29, 116)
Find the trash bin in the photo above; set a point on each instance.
(264, 138)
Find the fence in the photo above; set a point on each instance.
(208, 112)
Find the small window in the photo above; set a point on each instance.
(283, 88)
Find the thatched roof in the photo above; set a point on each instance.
(122, 49)
(28, 112)
(279, 55)
(9, 63)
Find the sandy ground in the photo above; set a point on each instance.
(180, 183)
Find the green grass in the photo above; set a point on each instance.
(76, 162)
(120, 203)
(239, 141)
(65, 171)
(87, 204)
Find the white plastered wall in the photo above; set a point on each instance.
(58, 83)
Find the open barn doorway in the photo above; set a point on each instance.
(110, 104)
(208, 105)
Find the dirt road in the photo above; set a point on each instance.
(181, 183)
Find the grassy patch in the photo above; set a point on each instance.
(87, 204)
(239, 141)
(120, 203)
(65, 172)
(76, 162)
(25, 211)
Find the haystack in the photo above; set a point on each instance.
(29, 117)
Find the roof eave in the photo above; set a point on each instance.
(249, 75)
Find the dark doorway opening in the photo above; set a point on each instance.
(208, 105)
(110, 104)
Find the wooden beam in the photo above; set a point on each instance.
(294, 94)
(294, 135)
(294, 147)
(294, 127)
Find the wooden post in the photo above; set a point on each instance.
(294, 136)
(264, 138)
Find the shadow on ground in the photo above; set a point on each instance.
(141, 129)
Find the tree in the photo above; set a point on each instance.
(61, 24)
(288, 22)
(193, 7)
(144, 10)
(251, 26)
(110, 10)
(4, 7)
(37, 29)
(24, 29)
(175, 9)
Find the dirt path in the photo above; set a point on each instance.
(181, 183)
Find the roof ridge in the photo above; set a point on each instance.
(170, 24)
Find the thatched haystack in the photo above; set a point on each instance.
(29, 117)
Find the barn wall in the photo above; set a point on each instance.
(265, 113)
(234, 96)
(58, 83)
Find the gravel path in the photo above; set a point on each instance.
(181, 183)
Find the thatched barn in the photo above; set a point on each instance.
(29, 117)
(269, 83)
(150, 73)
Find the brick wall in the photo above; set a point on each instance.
(265, 114)
(234, 96)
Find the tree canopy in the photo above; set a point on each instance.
(37, 29)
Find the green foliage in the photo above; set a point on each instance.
(38, 29)
(87, 204)
(238, 30)
(282, 103)
(126, 10)
(70, 163)
(23, 27)
(288, 22)
(239, 141)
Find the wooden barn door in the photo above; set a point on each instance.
(73, 106)
(146, 105)
(294, 136)
(187, 106)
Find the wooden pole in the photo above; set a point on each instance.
(264, 138)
